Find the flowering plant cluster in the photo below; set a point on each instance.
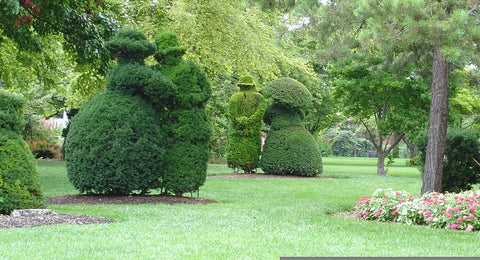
(450, 210)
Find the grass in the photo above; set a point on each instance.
(254, 219)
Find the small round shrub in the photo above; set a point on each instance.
(115, 146)
(246, 110)
(19, 182)
(460, 167)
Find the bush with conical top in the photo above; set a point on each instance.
(188, 126)
(19, 182)
(116, 144)
(246, 110)
(289, 148)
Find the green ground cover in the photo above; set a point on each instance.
(259, 218)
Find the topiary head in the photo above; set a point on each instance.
(246, 82)
(130, 46)
(169, 50)
(11, 111)
(289, 92)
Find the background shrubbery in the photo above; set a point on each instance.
(461, 169)
(19, 182)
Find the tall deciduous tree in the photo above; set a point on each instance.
(380, 100)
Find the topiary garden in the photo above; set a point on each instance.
(118, 141)
(246, 110)
(19, 182)
(289, 148)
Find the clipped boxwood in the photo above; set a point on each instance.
(19, 182)
(115, 145)
(461, 167)
(289, 148)
(187, 125)
(246, 110)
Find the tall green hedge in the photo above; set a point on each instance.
(461, 169)
(289, 148)
(19, 182)
(246, 110)
(116, 144)
(188, 126)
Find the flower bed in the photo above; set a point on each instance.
(449, 210)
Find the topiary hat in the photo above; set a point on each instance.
(246, 81)
(289, 92)
(167, 45)
(130, 45)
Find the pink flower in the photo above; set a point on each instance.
(453, 226)
(456, 209)
(471, 216)
(394, 213)
(427, 213)
(469, 228)
(384, 202)
(449, 215)
(459, 202)
(459, 219)
(377, 213)
(430, 219)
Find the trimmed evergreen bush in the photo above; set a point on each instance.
(246, 110)
(460, 167)
(19, 182)
(115, 144)
(188, 126)
(289, 148)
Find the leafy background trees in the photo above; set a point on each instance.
(267, 38)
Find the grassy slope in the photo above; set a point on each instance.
(254, 219)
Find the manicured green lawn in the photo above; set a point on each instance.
(254, 219)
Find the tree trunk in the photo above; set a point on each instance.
(437, 131)
(381, 162)
(412, 149)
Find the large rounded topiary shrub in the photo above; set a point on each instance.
(246, 110)
(289, 148)
(116, 144)
(19, 182)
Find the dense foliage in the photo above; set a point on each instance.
(187, 125)
(246, 110)
(289, 147)
(462, 158)
(19, 182)
(115, 143)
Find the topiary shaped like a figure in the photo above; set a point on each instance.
(188, 126)
(19, 182)
(246, 110)
(289, 148)
(115, 144)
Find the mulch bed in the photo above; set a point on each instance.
(46, 217)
